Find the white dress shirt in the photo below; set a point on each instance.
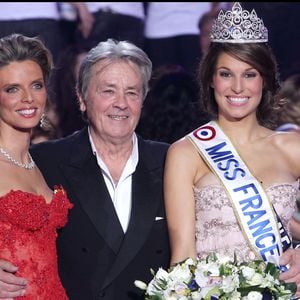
(120, 193)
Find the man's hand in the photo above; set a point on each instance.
(11, 286)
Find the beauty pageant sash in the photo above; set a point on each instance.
(260, 224)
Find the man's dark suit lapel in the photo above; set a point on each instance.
(86, 179)
(146, 190)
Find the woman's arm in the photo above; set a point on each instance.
(179, 176)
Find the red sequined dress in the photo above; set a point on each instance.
(28, 239)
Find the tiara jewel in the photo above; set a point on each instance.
(238, 26)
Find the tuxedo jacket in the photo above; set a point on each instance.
(96, 259)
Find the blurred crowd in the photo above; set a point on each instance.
(175, 35)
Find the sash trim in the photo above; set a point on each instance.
(251, 205)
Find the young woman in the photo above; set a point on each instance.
(231, 185)
(30, 212)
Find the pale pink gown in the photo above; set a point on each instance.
(217, 229)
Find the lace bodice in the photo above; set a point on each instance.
(216, 225)
(28, 239)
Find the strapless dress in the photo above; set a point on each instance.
(217, 229)
(28, 232)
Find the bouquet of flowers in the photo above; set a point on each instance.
(217, 278)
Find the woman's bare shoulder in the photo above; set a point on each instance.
(184, 155)
(288, 143)
(182, 147)
(281, 138)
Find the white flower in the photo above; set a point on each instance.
(181, 289)
(256, 279)
(248, 272)
(162, 274)
(236, 295)
(189, 262)
(253, 296)
(180, 273)
(223, 259)
(140, 284)
(170, 298)
(195, 295)
(219, 276)
(213, 268)
(268, 281)
(230, 283)
(159, 281)
(201, 278)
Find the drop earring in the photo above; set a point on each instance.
(44, 122)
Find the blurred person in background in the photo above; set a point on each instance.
(204, 25)
(172, 107)
(288, 120)
(33, 19)
(98, 21)
(288, 117)
(283, 22)
(172, 33)
(64, 89)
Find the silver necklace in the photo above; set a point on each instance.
(30, 165)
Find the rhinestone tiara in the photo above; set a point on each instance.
(238, 26)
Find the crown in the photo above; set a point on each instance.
(238, 26)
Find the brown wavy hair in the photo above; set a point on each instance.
(18, 47)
